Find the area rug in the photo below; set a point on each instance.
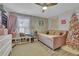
(71, 50)
(37, 49)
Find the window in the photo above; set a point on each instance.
(23, 25)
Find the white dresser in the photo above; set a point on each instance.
(5, 44)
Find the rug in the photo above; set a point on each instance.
(37, 49)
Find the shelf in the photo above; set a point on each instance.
(4, 20)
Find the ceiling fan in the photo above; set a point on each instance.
(45, 5)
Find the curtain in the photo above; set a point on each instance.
(12, 23)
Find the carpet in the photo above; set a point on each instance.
(37, 49)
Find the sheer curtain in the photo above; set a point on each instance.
(23, 25)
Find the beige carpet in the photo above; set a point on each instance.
(37, 49)
(71, 50)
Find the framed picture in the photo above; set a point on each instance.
(63, 21)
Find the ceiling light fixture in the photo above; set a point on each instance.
(44, 8)
(45, 5)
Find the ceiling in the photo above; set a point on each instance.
(35, 10)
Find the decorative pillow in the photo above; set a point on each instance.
(57, 33)
(52, 32)
(61, 33)
(47, 32)
(1, 31)
(5, 31)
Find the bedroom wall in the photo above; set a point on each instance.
(39, 24)
(67, 16)
(55, 22)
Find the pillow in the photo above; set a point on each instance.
(52, 32)
(47, 32)
(57, 33)
(61, 33)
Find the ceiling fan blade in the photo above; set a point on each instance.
(46, 4)
(51, 4)
(40, 4)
